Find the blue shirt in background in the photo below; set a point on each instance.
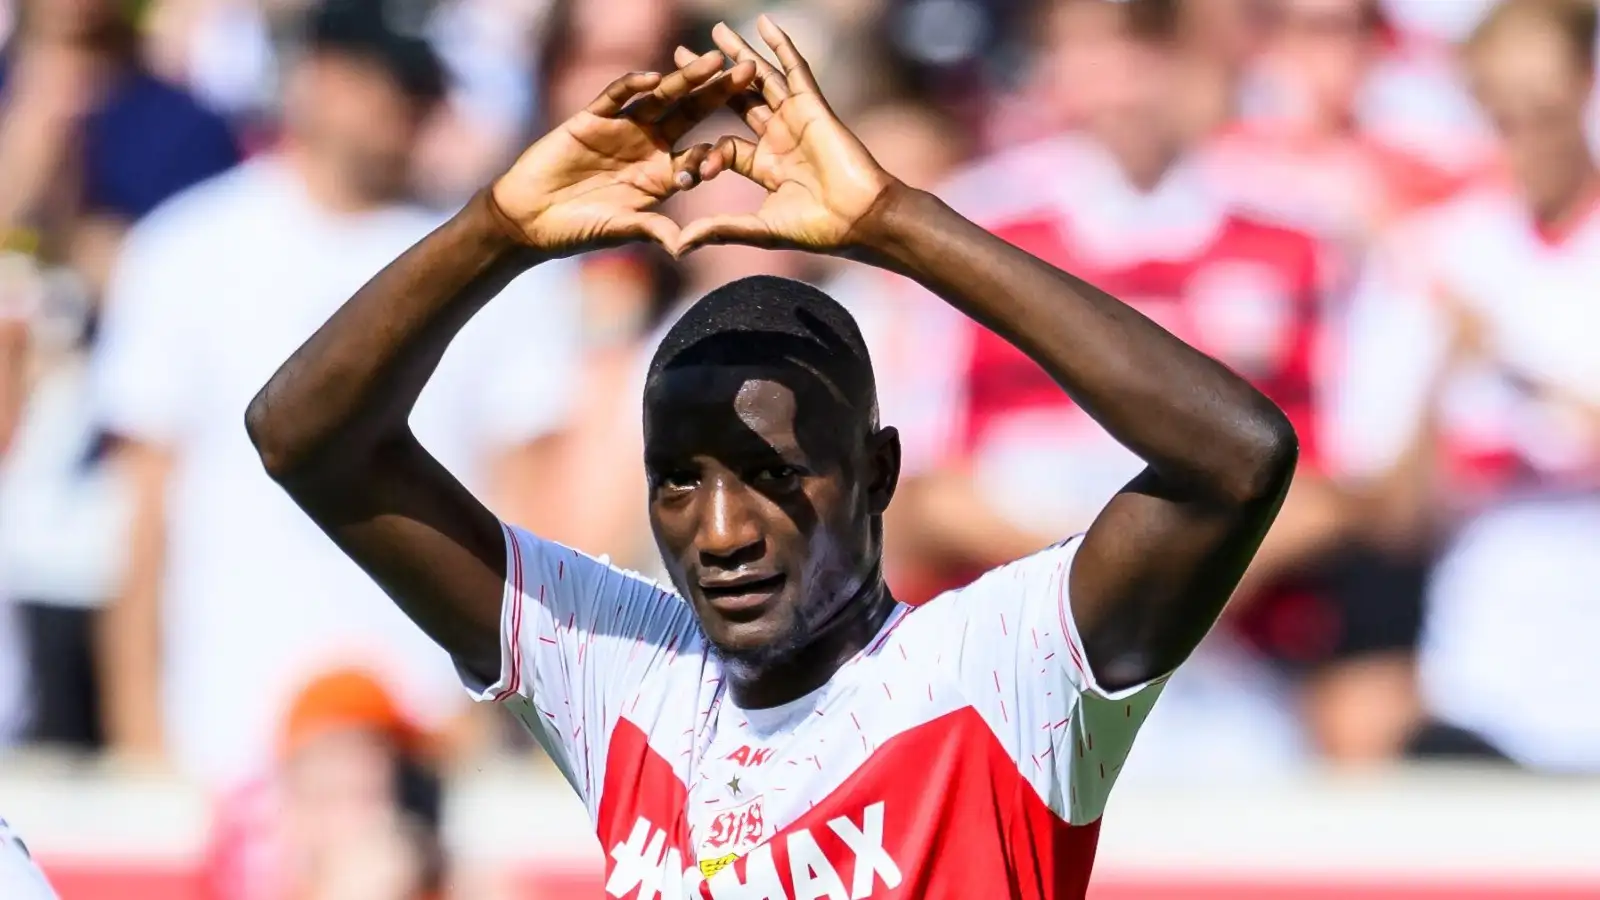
(147, 141)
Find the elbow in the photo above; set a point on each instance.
(1269, 451)
(275, 449)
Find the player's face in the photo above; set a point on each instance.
(762, 495)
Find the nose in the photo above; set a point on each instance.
(730, 531)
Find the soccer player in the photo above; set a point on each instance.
(779, 726)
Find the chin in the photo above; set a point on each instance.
(754, 645)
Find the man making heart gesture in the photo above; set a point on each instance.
(773, 723)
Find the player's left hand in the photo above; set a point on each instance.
(819, 177)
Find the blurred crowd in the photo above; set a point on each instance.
(1385, 213)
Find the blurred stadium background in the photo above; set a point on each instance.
(1385, 212)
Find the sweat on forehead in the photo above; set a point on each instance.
(778, 325)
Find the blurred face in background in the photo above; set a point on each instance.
(346, 834)
(1535, 89)
(340, 784)
(620, 28)
(70, 20)
(1319, 56)
(1137, 110)
(1080, 38)
(351, 116)
(915, 144)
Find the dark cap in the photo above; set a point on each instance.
(387, 32)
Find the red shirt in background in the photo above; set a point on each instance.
(1241, 289)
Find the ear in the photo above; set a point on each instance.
(883, 468)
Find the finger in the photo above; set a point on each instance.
(797, 72)
(727, 229)
(674, 87)
(768, 78)
(705, 100)
(753, 108)
(688, 165)
(749, 105)
(619, 92)
(731, 154)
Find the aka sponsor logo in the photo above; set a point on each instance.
(792, 866)
(747, 756)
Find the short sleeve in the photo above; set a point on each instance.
(523, 350)
(579, 638)
(143, 362)
(1012, 642)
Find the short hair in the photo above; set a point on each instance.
(765, 320)
(1578, 21)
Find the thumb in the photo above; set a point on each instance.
(747, 229)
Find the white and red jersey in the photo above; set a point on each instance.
(966, 752)
(1341, 188)
(1513, 421)
(1242, 290)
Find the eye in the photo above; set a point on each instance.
(780, 477)
(675, 480)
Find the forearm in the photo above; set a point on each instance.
(1186, 415)
(352, 385)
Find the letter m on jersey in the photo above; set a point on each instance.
(645, 864)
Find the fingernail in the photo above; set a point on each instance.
(685, 180)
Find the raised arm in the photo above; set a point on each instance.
(1160, 561)
(331, 425)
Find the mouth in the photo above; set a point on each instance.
(744, 593)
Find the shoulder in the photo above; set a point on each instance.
(230, 196)
(1485, 215)
(1004, 187)
(152, 95)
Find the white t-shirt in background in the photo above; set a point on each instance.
(213, 292)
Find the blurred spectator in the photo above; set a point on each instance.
(1125, 205)
(90, 141)
(230, 593)
(1309, 153)
(1473, 386)
(350, 810)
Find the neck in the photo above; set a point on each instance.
(1566, 206)
(832, 645)
(326, 183)
(1145, 174)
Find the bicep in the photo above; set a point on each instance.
(428, 543)
(1155, 570)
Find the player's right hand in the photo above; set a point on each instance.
(592, 181)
